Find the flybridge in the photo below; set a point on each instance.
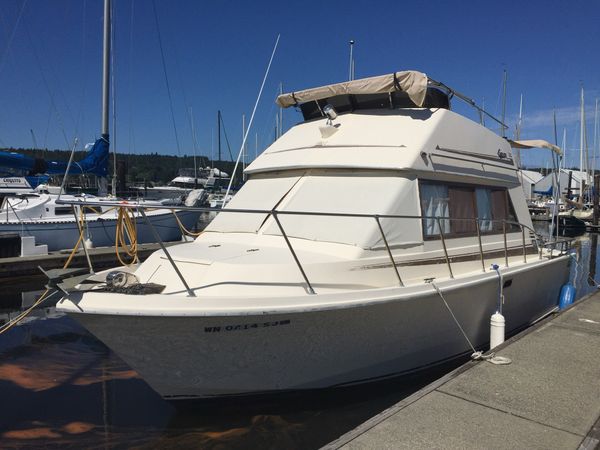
(405, 89)
(434, 98)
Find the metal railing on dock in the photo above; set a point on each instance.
(535, 241)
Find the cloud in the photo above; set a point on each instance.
(565, 116)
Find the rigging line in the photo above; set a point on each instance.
(12, 35)
(252, 119)
(226, 139)
(186, 103)
(47, 127)
(131, 132)
(81, 113)
(47, 86)
(58, 80)
(162, 55)
(18, 81)
(267, 125)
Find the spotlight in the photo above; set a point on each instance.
(330, 112)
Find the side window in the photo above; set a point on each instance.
(484, 208)
(462, 210)
(502, 209)
(434, 203)
(459, 205)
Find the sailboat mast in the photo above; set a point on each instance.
(280, 111)
(594, 151)
(106, 70)
(102, 182)
(503, 127)
(244, 146)
(581, 138)
(219, 133)
(195, 145)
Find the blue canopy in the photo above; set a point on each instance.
(95, 162)
(547, 192)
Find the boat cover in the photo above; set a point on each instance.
(536, 143)
(412, 82)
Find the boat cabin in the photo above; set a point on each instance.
(427, 172)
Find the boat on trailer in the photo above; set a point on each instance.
(334, 263)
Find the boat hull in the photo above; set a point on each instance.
(60, 235)
(233, 354)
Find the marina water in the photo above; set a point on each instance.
(62, 387)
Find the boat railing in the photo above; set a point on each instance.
(529, 237)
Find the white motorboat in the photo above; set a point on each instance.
(58, 226)
(332, 264)
(186, 181)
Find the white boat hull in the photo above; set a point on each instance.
(393, 331)
(59, 235)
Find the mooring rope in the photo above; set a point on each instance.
(46, 294)
(476, 355)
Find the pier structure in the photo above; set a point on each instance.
(547, 398)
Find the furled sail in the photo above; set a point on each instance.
(95, 162)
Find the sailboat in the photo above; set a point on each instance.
(41, 214)
(580, 209)
(362, 237)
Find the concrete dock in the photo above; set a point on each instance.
(102, 257)
(547, 398)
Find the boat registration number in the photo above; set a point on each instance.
(246, 326)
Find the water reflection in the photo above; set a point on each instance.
(65, 388)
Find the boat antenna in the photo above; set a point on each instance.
(351, 64)
(251, 118)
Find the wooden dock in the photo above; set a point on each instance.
(102, 257)
(547, 398)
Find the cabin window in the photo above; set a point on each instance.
(434, 203)
(484, 208)
(462, 204)
(62, 211)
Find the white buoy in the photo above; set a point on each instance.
(88, 243)
(497, 325)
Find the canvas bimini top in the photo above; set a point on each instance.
(405, 89)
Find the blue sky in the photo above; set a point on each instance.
(216, 53)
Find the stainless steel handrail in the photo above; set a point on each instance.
(524, 247)
(480, 244)
(444, 247)
(289, 244)
(389, 251)
(505, 246)
(539, 242)
(165, 251)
